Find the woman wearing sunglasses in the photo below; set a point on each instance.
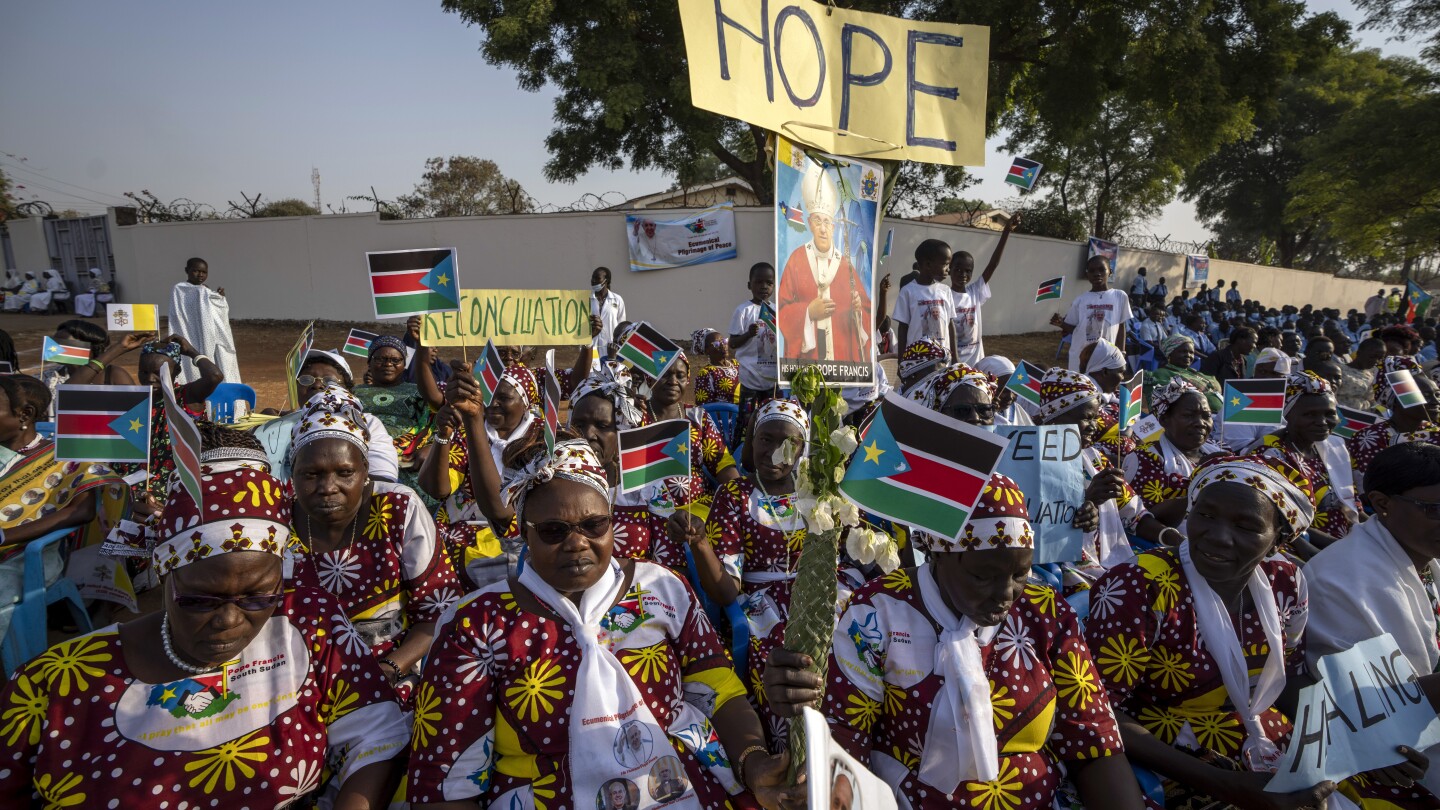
(544, 689)
(238, 692)
(370, 543)
(324, 370)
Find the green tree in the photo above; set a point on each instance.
(1410, 18)
(7, 200)
(960, 205)
(1246, 191)
(1047, 216)
(288, 207)
(464, 186)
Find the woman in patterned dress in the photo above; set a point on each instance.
(1368, 442)
(961, 685)
(1112, 511)
(1162, 629)
(543, 690)
(403, 407)
(1179, 354)
(370, 543)
(754, 536)
(1159, 470)
(240, 692)
(1302, 444)
(482, 546)
(719, 381)
(601, 407)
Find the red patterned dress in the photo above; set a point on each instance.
(1146, 640)
(391, 577)
(1048, 702)
(1367, 443)
(477, 552)
(640, 516)
(718, 384)
(305, 703)
(1331, 515)
(492, 719)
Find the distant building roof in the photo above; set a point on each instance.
(718, 191)
(993, 219)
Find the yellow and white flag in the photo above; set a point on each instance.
(132, 317)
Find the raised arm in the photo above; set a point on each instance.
(1000, 248)
(93, 372)
(463, 395)
(425, 378)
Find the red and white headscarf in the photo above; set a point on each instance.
(999, 520)
(1061, 390)
(245, 510)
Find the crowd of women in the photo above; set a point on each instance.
(421, 603)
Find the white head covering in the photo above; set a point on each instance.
(332, 357)
(995, 365)
(819, 189)
(1279, 358)
(1104, 356)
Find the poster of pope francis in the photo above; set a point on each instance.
(827, 218)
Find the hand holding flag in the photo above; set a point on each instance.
(488, 372)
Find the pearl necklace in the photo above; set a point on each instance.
(170, 650)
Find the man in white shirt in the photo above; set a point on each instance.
(969, 296)
(607, 306)
(926, 309)
(1099, 313)
(202, 316)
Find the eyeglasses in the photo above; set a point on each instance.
(306, 381)
(1430, 509)
(205, 603)
(558, 531)
(387, 361)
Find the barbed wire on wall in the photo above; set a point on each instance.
(587, 202)
(1163, 244)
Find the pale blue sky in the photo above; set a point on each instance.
(205, 100)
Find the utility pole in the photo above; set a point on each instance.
(315, 180)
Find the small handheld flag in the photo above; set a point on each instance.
(1025, 382)
(103, 423)
(767, 317)
(1050, 290)
(920, 467)
(649, 351)
(184, 441)
(551, 394)
(358, 343)
(1407, 392)
(295, 360)
(1417, 302)
(1132, 395)
(653, 453)
(132, 317)
(1254, 402)
(1023, 173)
(889, 243)
(1353, 421)
(53, 352)
(488, 372)
(1146, 429)
(413, 282)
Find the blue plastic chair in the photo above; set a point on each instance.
(733, 612)
(222, 402)
(28, 626)
(727, 418)
(45, 429)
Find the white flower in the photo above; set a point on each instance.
(844, 439)
(818, 514)
(345, 633)
(838, 474)
(486, 656)
(846, 513)
(887, 556)
(437, 602)
(802, 481)
(785, 453)
(1014, 644)
(860, 545)
(840, 407)
(337, 570)
(1105, 599)
(306, 776)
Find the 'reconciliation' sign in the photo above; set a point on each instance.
(512, 318)
(904, 90)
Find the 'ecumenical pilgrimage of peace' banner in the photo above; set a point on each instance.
(512, 318)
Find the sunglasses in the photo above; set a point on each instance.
(558, 531)
(1430, 509)
(205, 603)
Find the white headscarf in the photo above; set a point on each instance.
(1104, 356)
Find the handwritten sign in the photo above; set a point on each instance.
(1045, 462)
(1367, 702)
(910, 90)
(512, 318)
(275, 436)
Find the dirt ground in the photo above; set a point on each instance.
(263, 345)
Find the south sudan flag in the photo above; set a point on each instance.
(1353, 421)
(1050, 290)
(653, 453)
(1025, 382)
(102, 423)
(649, 351)
(358, 343)
(1417, 302)
(551, 393)
(1023, 173)
(918, 467)
(488, 372)
(1407, 391)
(54, 352)
(1254, 402)
(184, 442)
(1132, 395)
(413, 282)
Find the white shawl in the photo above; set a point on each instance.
(202, 317)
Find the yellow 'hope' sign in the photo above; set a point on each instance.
(911, 90)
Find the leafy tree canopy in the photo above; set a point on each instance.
(464, 186)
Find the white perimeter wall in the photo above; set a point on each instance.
(314, 267)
